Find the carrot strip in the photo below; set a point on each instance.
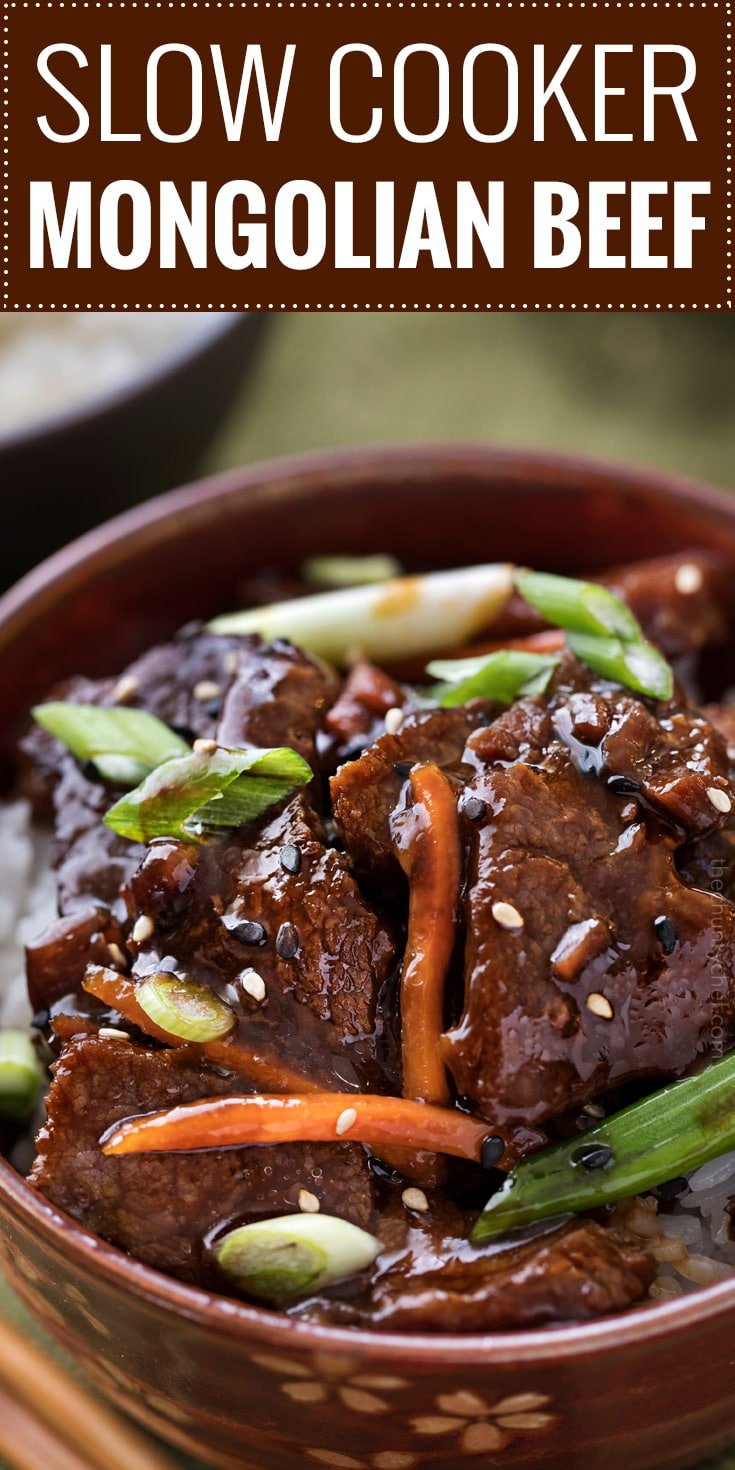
(261, 1069)
(550, 640)
(431, 860)
(321, 1117)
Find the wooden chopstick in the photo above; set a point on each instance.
(27, 1444)
(95, 1436)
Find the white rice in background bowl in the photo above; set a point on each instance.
(689, 1238)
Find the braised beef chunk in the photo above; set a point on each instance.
(164, 1208)
(366, 791)
(359, 712)
(56, 961)
(428, 1277)
(574, 984)
(278, 696)
(279, 905)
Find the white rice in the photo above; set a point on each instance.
(689, 1237)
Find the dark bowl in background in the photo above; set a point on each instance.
(241, 1386)
(61, 474)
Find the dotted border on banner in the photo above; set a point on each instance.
(8, 5)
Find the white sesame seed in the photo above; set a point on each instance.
(688, 578)
(308, 1202)
(393, 721)
(111, 1033)
(205, 747)
(415, 1199)
(593, 1110)
(345, 1121)
(125, 689)
(207, 689)
(719, 798)
(599, 1005)
(142, 928)
(253, 984)
(507, 915)
(116, 954)
(231, 661)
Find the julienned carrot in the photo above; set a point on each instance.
(320, 1117)
(549, 640)
(431, 860)
(258, 1068)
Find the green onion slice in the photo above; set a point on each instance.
(669, 1133)
(124, 744)
(183, 1009)
(294, 1254)
(208, 793)
(501, 676)
(350, 571)
(637, 666)
(21, 1075)
(582, 607)
(403, 618)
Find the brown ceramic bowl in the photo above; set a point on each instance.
(243, 1387)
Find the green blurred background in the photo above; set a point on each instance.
(651, 388)
(657, 390)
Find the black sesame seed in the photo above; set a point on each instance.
(287, 941)
(666, 933)
(89, 771)
(40, 1020)
(623, 785)
(492, 1150)
(672, 1188)
(403, 768)
(247, 931)
(596, 1156)
(213, 708)
(383, 1172)
(473, 808)
(290, 858)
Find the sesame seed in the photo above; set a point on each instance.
(205, 747)
(246, 931)
(492, 1151)
(393, 721)
(507, 915)
(623, 785)
(290, 858)
(231, 661)
(415, 1199)
(116, 954)
(253, 984)
(287, 941)
(599, 1005)
(688, 578)
(345, 1121)
(719, 798)
(308, 1202)
(125, 689)
(597, 1156)
(594, 1110)
(473, 808)
(111, 1033)
(207, 689)
(142, 928)
(666, 933)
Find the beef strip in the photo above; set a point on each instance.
(585, 986)
(163, 1208)
(276, 901)
(366, 791)
(429, 1277)
(243, 691)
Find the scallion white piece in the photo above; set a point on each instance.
(294, 1254)
(406, 617)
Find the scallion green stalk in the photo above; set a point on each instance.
(501, 676)
(21, 1074)
(581, 607)
(669, 1133)
(637, 666)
